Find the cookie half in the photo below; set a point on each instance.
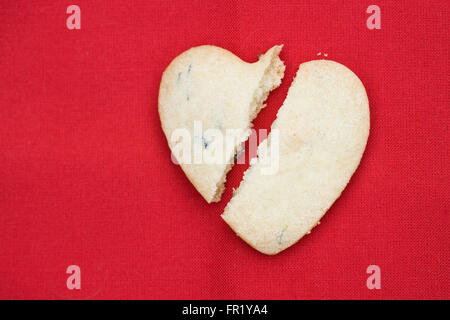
(206, 92)
(321, 132)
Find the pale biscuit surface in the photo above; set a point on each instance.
(323, 129)
(211, 86)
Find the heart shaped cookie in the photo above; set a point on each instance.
(209, 88)
(322, 130)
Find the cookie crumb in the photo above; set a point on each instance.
(237, 155)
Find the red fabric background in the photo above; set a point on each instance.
(86, 176)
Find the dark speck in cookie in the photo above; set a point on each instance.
(205, 143)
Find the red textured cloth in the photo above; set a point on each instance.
(86, 176)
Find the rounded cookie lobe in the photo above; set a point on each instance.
(321, 132)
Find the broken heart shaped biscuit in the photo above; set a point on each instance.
(322, 130)
(211, 88)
